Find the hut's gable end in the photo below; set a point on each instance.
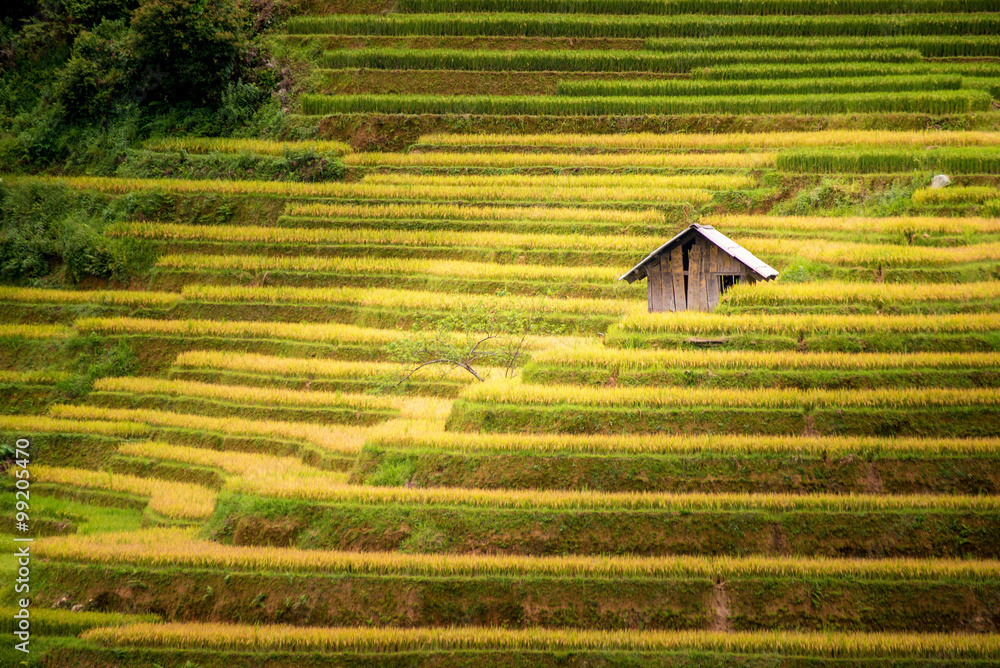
(694, 269)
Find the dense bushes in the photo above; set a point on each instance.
(47, 230)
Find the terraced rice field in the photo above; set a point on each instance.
(808, 475)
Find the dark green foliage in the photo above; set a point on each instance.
(185, 50)
(47, 230)
(95, 75)
(94, 359)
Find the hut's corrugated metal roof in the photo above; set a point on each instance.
(755, 264)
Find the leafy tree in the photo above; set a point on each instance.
(185, 50)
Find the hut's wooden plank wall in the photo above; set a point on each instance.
(665, 287)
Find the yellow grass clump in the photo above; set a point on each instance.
(114, 297)
(181, 547)
(259, 146)
(123, 185)
(772, 293)
(389, 236)
(959, 194)
(512, 392)
(468, 212)
(315, 368)
(635, 359)
(384, 266)
(171, 499)
(615, 501)
(205, 635)
(41, 424)
(645, 141)
(562, 160)
(424, 436)
(416, 299)
(40, 377)
(877, 255)
(907, 225)
(693, 322)
(20, 331)
(246, 394)
(706, 181)
(339, 440)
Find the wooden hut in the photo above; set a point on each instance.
(691, 271)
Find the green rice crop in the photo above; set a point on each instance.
(930, 46)
(951, 160)
(845, 69)
(697, 26)
(703, 7)
(648, 141)
(588, 60)
(938, 102)
(741, 87)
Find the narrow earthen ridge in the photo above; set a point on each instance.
(720, 608)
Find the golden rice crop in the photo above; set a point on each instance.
(772, 293)
(377, 236)
(907, 225)
(955, 194)
(181, 547)
(244, 394)
(419, 299)
(420, 436)
(877, 255)
(33, 376)
(241, 329)
(376, 266)
(291, 488)
(706, 181)
(645, 141)
(331, 333)
(21, 331)
(344, 440)
(42, 424)
(171, 499)
(244, 638)
(310, 367)
(368, 639)
(236, 463)
(633, 359)
(693, 322)
(509, 392)
(560, 160)
(116, 297)
(467, 212)
(259, 146)
(123, 186)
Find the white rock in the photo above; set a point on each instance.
(940, 181)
